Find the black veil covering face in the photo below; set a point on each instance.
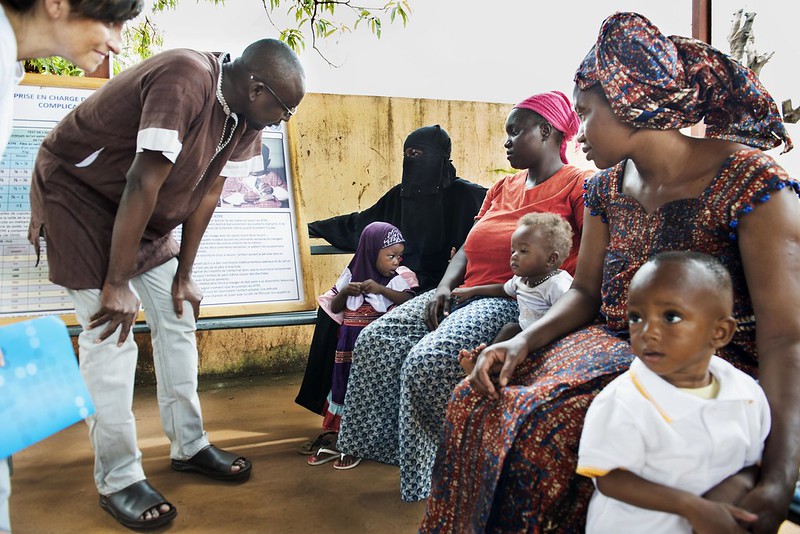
(433, 208)
(432, 171)
(426, 177)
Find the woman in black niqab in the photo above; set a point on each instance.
(434, 210)
(432, 207)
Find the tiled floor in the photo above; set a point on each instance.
(53, 490)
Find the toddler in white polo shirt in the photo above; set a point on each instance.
(681, 420)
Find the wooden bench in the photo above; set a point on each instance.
(223, 323)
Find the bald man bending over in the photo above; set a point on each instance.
(147, 152)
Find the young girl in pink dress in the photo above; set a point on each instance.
(368, 287)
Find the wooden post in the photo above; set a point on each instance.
(701, 20)
(104, 70)
(701, 30)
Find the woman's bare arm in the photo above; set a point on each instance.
(769, 244)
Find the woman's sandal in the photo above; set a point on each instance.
(326, 439)
(215, 463)
(323, 456)
(128, 505)
(347, 461)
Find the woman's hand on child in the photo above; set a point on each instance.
(501, 357)
(735, 487)
(770, 502)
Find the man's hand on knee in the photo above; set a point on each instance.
(118, 308)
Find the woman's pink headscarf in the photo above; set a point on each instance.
(556, 109)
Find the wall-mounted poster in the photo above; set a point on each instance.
(251, 257)
(249, 254)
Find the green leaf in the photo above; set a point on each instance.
(52, 65)
(403, 15)
(143, 38)
(294, 39)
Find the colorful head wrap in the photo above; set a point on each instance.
(556, 109)
(376, 236)
(659, 82)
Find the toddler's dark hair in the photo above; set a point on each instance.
(719, 274)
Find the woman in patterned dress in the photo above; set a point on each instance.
(405, 364)
(509, 456)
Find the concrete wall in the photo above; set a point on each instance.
(348, 154)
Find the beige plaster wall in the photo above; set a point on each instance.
(348, 154)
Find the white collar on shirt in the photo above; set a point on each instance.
(674, 404)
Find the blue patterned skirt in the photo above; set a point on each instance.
(401, 378)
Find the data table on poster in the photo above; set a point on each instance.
(24, 287)
(15, 168)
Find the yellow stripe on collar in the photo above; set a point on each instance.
(648, 397)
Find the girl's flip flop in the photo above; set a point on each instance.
(346, 461)
(323, 456)
(326, 439)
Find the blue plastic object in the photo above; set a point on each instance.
(41, 390)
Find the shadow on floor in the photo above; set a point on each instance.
(53, 490)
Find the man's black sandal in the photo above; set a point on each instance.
(129, 504)
(215, 463)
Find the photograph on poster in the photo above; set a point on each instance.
(267, 188)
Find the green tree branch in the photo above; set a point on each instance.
(314, 20)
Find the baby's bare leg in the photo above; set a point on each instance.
(507, 332)
(467, 358)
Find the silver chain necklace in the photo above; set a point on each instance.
(224, 139)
